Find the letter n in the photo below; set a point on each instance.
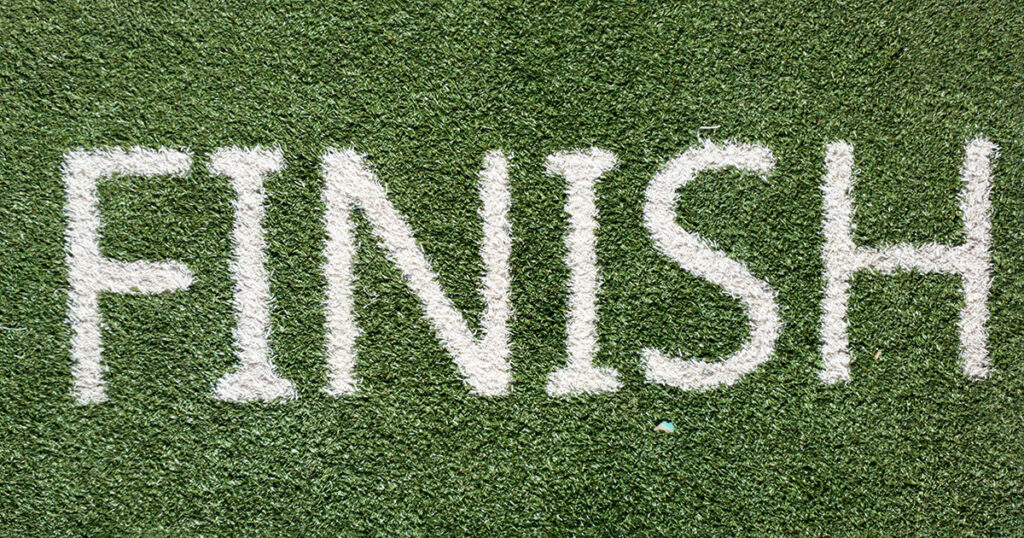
(482, 361)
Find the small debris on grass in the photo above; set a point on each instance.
(878, 354)
(665, 426)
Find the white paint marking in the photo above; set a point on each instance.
(89, 272)
(483, 362)
(699, 257)
(971, 260)
(582, 169)
(255, 379)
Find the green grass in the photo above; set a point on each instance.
(425, 89)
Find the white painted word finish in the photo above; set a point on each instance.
(482, 357)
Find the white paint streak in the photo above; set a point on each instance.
(971, 260)
(255, 378)
(582, 169)
(89, 272)
(483, 362)
(699, 257)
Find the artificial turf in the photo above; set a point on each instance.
(425, 89)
